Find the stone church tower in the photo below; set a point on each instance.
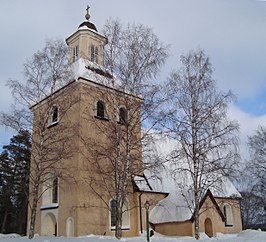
(89, 123)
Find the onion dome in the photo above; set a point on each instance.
(87, 23)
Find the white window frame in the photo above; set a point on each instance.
(48, 192)
(51, 120)
(125, 216)
(228, 214)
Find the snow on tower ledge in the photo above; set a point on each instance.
(91, 71)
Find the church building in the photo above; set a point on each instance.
(84, 124)
(85, 120)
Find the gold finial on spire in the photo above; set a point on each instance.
(87, 16)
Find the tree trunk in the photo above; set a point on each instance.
(3, 227)
(34, 208)
(196, 221)
(22, 221)
(118, 227)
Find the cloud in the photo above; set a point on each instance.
(248, 125)
(232, 33)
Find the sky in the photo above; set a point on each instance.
(231, 32)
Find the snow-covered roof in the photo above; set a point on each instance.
(142, 183)
(88, 25)
(176, 206)
(91, 71)
(227, 189)
(173, 208)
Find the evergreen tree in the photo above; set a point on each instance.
(14, 183)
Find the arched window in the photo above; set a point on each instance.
(50, 190)
(53, 116)
(125, 214)
(228, 213)
(55, 190)
(122, 115)
(113, 205)
(100, 109)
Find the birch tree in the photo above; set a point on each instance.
(257, 163)
(133, 56)
(44, 74)
(46, 71)
(253, 193)
(197, 119)
(253, 209)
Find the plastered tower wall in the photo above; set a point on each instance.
(82, 206)
(55, 151)
(97, 135)
(77, 200)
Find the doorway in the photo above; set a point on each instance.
(49, 226)
(208, 227)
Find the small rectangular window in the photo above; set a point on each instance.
(94, 54)
(75, 53)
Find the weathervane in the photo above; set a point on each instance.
(87, 16)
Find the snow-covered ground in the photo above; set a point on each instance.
(244, 236)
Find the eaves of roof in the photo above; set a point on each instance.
(52, 94)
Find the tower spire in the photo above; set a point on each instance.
(87, 16)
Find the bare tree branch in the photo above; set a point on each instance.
(196, 118)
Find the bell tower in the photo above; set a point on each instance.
(86, 43)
